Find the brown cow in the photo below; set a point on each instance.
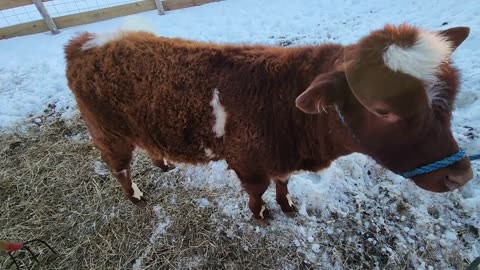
(270, 111)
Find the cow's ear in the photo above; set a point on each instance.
(456, 35)
(324, 91)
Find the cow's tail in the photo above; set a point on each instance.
(75, 46)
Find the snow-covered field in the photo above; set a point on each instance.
(387, 213)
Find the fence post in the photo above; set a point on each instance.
(160, 8)
(48, 20)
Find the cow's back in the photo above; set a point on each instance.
(152, 90)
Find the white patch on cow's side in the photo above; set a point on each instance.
(290, 201)
(209, 153)
(99, 40)
(137, 194)
(422, 60)
(219, 114)
(261, 211)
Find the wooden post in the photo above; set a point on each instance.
(48, 20)
(160, 8)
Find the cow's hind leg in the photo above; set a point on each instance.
(284, 199)
(118, 156)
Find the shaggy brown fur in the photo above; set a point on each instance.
(155, 93)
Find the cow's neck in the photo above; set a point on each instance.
(327, 135)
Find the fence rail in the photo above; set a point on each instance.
(39, 26)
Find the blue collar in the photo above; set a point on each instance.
(435, 165)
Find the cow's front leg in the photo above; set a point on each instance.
(255, 191)
(284, 199)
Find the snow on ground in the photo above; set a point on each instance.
(362, 206)
(391, 211)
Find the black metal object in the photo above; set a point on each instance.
(29, 250)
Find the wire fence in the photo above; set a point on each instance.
(19, 15)
(55, 8)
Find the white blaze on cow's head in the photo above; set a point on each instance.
(395, 90)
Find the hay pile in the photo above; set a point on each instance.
(51, 189)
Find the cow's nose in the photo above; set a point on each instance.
(454, 181)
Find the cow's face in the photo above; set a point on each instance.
(395, 91)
